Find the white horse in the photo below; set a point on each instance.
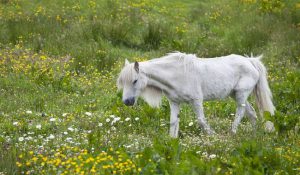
(185, 78)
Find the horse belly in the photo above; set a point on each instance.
(217, 94)
(218, 88)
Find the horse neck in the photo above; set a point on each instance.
(154, 67)
(160, 73)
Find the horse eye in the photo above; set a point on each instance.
(134, 81)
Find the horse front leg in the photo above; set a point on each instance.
(198, 108)
(174, 119)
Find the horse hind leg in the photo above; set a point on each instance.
(250, 112)
(241, 100)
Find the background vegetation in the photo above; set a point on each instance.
(60, 112)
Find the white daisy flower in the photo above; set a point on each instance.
(51, 136)
(68, 139)
(21, 139)
(115, 120)
(88, 114)
(112, 116)
(28, 112)
(28, 138)
(38, 126)
(212, 156)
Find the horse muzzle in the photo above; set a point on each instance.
(129, 101)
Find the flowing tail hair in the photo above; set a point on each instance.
(262, 91)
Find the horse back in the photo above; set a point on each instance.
(219, 77)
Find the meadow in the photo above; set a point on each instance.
(61, 113)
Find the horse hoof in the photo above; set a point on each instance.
(269, 127)
(233, 132)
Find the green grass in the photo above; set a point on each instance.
(60, 111)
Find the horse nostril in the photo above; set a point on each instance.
(126, 101)
(129, 101)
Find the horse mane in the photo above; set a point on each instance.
(188, 60)
(180, 56)
(152, 96)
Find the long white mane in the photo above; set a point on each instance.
(188, 60)
(152, 96)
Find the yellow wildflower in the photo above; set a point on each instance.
(18, 164)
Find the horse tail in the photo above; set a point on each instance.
(262, 90)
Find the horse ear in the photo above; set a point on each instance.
(126, 62)
(136, 67)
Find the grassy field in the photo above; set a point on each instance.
(61, 113)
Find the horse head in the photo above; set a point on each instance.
(132, 80)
